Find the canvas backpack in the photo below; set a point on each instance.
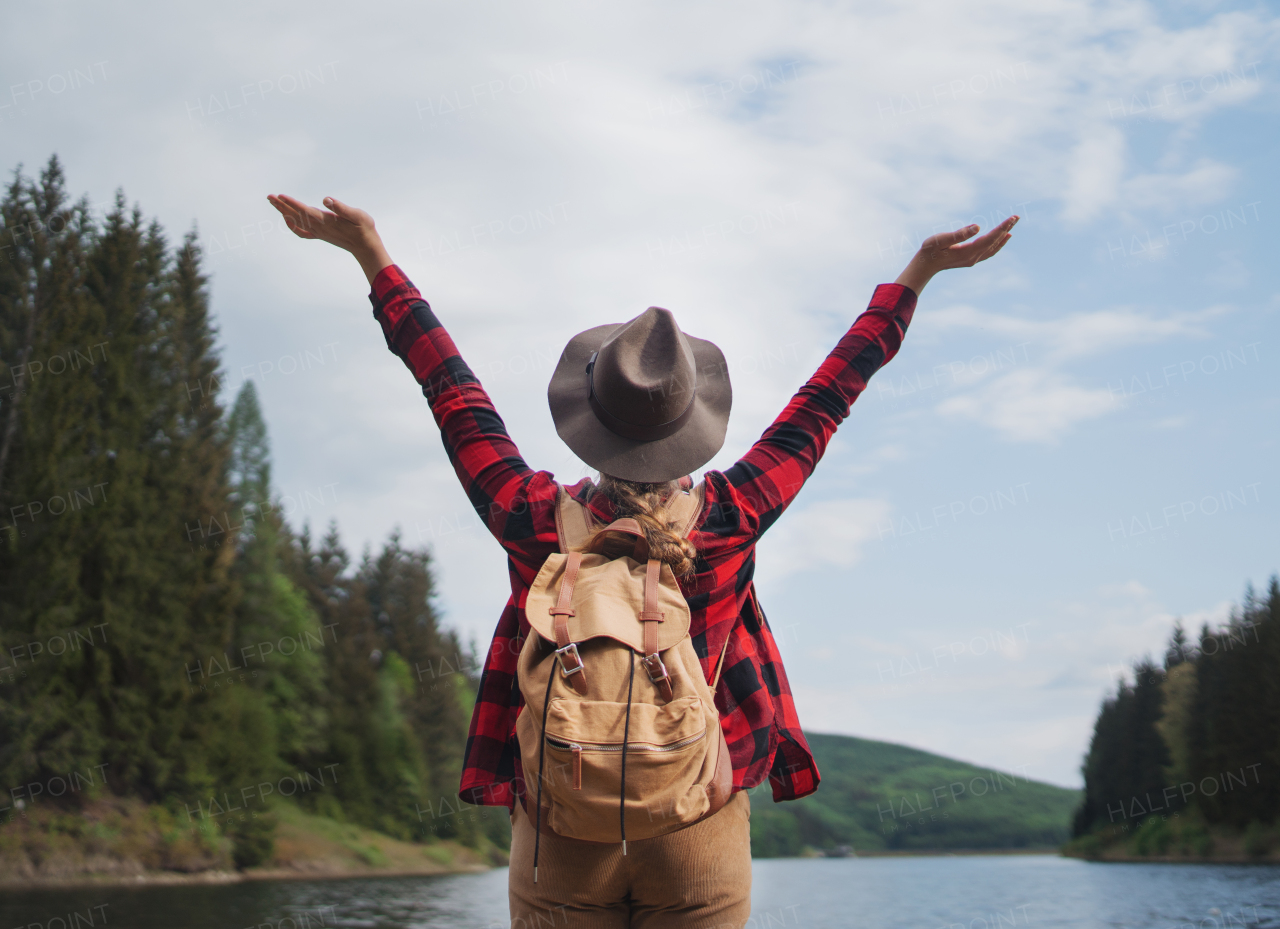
(619, 736)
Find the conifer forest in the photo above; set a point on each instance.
(166, 634)
(1189, 747)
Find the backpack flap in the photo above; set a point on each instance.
(608, 597)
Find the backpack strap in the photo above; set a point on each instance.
(720, 664)
(650, 616)
(685, 506)
(566, 649)
(573, 522)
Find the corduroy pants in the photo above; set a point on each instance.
(696, 878)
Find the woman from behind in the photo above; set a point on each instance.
(647, 405)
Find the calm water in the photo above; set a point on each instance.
(878, 893)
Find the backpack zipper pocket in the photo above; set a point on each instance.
(579, 747)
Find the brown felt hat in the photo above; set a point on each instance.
(641, 400)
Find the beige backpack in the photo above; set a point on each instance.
(619, 735)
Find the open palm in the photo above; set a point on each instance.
(950, 250)
(954, 250)
(345, 227)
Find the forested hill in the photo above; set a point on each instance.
(879, 797)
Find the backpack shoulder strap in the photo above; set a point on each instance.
(573, 523)
(720, 664)
(685, 507)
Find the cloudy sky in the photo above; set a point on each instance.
(1076, 445)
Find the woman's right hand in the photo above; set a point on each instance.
(346, 227)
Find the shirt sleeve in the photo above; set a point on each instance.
(516, 503)
(763, 482)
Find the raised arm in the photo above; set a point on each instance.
(765, 480)
(515, 502)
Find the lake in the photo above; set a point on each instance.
(945, 892)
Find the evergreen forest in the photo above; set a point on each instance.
(165, 634)
(1183, 758)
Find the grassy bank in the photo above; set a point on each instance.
(1178, 837)
(123, 841)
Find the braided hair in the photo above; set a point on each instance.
(646, 504)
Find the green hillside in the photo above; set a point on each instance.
(881, 797)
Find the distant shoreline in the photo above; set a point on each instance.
(1272, 860)
(938, 853)
(175, 879)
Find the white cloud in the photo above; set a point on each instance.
(1132, 588)
(878, 458)
(1093, 173)
(1041, 404)
(1082, 335)
(833, 533)
(1167, 192)
(1034, 405)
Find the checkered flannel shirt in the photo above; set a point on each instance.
(517, 504)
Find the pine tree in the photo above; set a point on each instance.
(1102, 786)
(352, 657)
(436, 699)
(54, 477)
(276, 642)
(1124, 772)
(1176, 722)
(1179, 650)
(1147, 755)
(1236, 715)
(120, 473)
(161, 561)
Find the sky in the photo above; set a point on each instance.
(1075, 447)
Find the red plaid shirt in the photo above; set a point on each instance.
(517, 504)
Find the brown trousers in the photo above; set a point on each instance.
(696, 878)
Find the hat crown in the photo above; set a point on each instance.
(641, 401)
(644, 372)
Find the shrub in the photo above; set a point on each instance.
(1153, 837)
(1257, 840)
(1087, 846)
(253, 839)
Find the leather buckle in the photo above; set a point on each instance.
(654, 667)
(570, 649)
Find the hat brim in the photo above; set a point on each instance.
(653, 461)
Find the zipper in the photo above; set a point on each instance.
(579, 747)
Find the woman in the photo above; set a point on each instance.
(647, 405)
